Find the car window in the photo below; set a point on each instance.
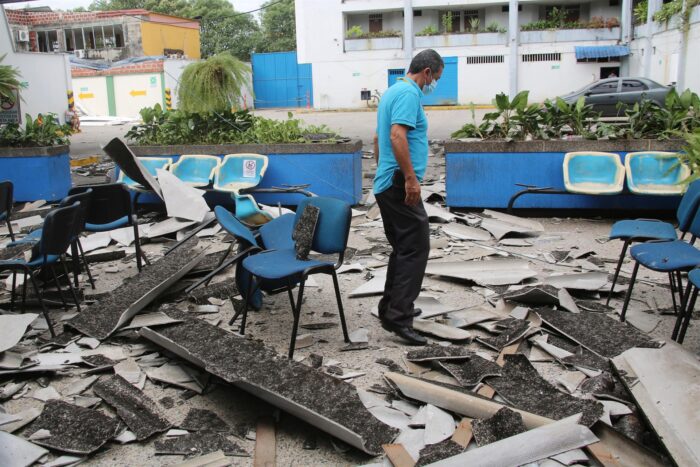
(632, 85)
(604, 88)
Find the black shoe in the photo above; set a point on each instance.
(406, 333)
(417, 312)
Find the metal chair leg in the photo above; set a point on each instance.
(297, 313)
(75, 262)
(617, 269)
(679, 319)
(628, 296)
(246, 299)
(688, 314)
(45, 311)
(672, 281)
(291, 296)
(9, 227)
(679, 284)
(58, 286)
(70, 286)
(86, 265)
(340, 307)
(137, 245)
(24, 291)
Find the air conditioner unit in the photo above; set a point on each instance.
(80, 53)
(23, 35)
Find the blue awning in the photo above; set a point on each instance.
(601, 51)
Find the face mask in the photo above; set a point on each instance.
(428, 88)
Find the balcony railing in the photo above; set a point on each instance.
(375, 43)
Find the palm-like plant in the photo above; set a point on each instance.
(691, 156)
(9, 81)
(214, 84)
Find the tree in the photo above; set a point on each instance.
(213, 85)
(278, 27)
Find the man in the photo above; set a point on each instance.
(401, 150)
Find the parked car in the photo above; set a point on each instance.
(606, 93)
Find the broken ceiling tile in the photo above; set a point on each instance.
(578, 281)
(88, 342)
(567, 302)
(436, 452)
(405, 407)
(374, 286)
(174, 374)
(62, 461)
(534, 295)
(438, 352)
(464, 232)
(105, 316)
(18, 452)
(597, 332)
(571, 380)
(575, 456)
(157, 318)
(198, 443)
(360, 335)
(204, 420)
(392, 417)
(137, 410)
(182, 200)
(125, 437)
(6, 418)
(129, 370)
(470, 372)
(523, 387)
(439, 425)
(86, 401)
(645, 321)
(95, 241)
(472, 316)
(511, 330)
(168, 226)
(438, 214)
(493, 272)
(503, 424)
(514, 242)
(442, 331)
(46, 394)
(213, 459)
(353, 267)
(79, 386)
(412, 441)
(12, 329)
(519, 312)
(431, 306)
(25, 417)
(500, 224)
(73, 429)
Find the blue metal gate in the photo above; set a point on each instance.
(279, 81)
(395, 74)
(446, 91)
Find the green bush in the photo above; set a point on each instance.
(640, 12)
(354, 32)
(495, 27)
(428, 31)
(45, 130)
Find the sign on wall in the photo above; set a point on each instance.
(10, 111)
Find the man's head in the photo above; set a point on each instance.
(426, 67)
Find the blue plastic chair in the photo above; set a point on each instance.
(239, 172)
(655, 173)
(642, 230)
(279, 270)
(57, 233)
(672, 257)
(151, 164)
(691, 300)
(6, 201)
(196, 169)
(593, 173)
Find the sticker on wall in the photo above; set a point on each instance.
(84, 89)
(249, 166)
(154, 81)
(356, 73)
(555, 67)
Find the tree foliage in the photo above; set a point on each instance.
(278, 27)
(9, 81)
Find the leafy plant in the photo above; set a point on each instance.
(474, 24)
(690, 155)
(558, 16)
(447, 22)
(640, 12)
(495, 27)
(429, 30)
(354, 32)
(612, 23)
(668, 10)
(214, 84)
(472, 129)
(680, 114)
(9, 81)
(596, 22)
(45, 130)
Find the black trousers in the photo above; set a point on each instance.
(408, 232)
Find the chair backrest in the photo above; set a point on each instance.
(6, 200)
(655, 172)
(196, 169)
(593, 172)
(240, 171)
(689, 205)
(108, 202)
(84, 200)
(277, 234)
(151, 164)
(333, 226)
(233, 226)
(119, 152)
(57, 231)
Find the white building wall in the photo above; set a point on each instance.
(134, 92)
(91, 95)
(603, 9)
(47, 76)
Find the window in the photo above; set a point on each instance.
(469, 15)
(632, 85)
(375, 22)
(89, 38)
(482, 59)
(614, 3)
(549, 57)
(605, 88)
(573, 12)
(47, 41)
(70, 40)
(417, 12)
(506, 8)
(99, 37)
(118, 35)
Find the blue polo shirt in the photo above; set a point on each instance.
(400, 104)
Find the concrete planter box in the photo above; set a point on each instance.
(570, 35)
(37, 173)
(483, 174)
(333, 170)
(377, 43)
(460, 40)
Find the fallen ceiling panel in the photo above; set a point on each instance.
(464, 232)
(105, 316)
(582, 281)
(470, 372)
(374, 286)
(534, 295)
(494, 272)
(442, 331)
(500, 224)
(18, 452)
(326, 402)
(12, 328)
(504, 424)
(664, 384)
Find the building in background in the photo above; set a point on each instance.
(488, 47)
(106, 35)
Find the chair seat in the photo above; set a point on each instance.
(32, 237)
(121, 222)
(643, 230)
(50, 259)
(279, 264)
(666, 256)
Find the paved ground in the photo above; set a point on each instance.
(356, 125)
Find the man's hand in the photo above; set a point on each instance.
(412, 191)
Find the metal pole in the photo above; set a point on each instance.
(652, 6)
(680, 71)
(625, 33)
(513, 31)
(408, 29)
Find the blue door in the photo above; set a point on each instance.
(446, 91)
(279, 81)
(395, 74)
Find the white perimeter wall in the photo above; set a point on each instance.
(47, 76)
(91, 95)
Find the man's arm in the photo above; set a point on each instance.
(399, 144)
(376, 148)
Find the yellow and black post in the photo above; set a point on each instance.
(71, 101)
(168, 99)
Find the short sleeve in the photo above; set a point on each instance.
(405, 110)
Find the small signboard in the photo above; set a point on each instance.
(10, 111)
(249, 168)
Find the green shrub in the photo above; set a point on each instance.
(354, 32)
(428, 31)
(45, 130)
